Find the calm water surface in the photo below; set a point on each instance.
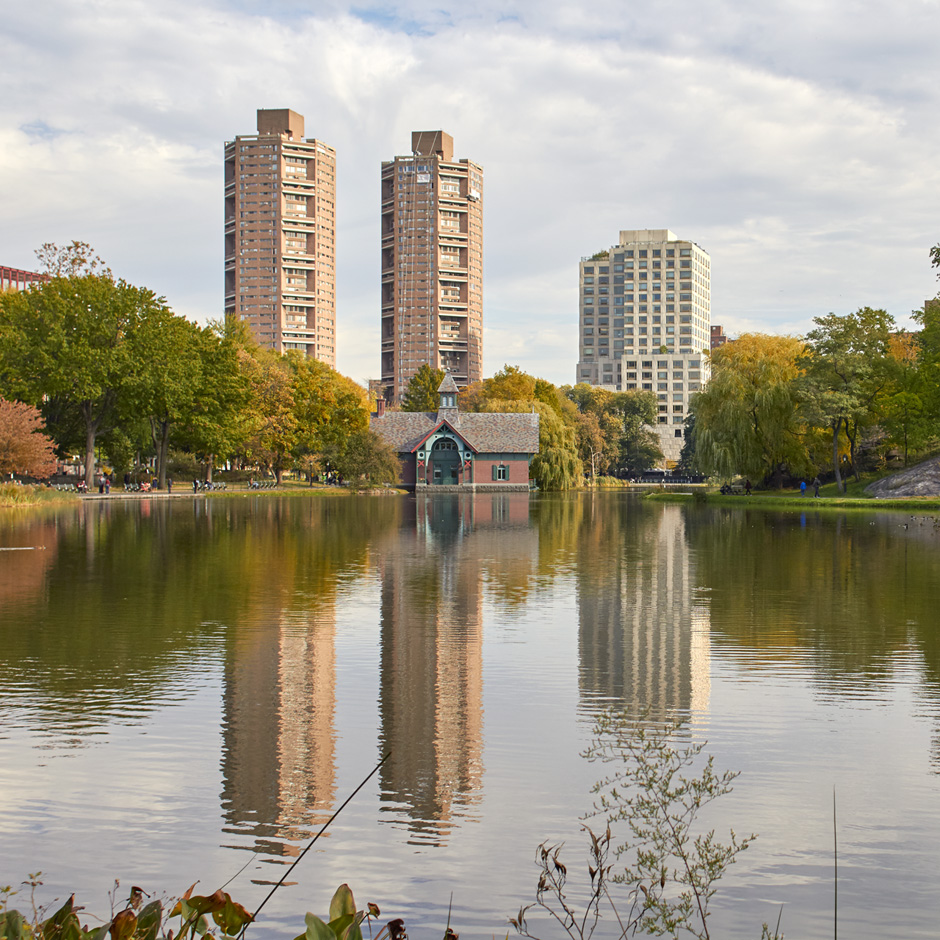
(188, 690)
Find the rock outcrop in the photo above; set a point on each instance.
(921, 480)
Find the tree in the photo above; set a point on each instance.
(64, 344)
(167, 378)
(23, 446)
(903, 411)
(557, 465)
(368, 460)
(512, 384)
(328, 407)
(421, 394)
(221, 418)
(638, 446)
(72, 260)
(275, 433)
(747, 418)
(928, 358)
(846, 370)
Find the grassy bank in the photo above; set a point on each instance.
(15, 496)
(854, 497)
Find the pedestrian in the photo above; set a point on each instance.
(816, 485)
(747, 487)
(802, 487)
(107, 484)
(169, 485)
(195, 485)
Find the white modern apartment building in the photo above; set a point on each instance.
(645, 323)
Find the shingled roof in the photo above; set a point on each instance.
(485, 432)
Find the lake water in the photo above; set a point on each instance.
(188, 689)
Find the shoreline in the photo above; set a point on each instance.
(798, 502)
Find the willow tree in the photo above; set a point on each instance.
(747, 418)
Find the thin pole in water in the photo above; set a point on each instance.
(835, 863)
(314, 839)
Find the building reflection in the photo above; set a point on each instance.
(643, 635)
(279, 762)
(431, 689)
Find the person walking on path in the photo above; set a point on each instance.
(802, 487)
(747, 487)
(169, 485)
(816, 485)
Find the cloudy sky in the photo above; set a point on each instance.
(797, 142)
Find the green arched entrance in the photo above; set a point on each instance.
(445, 462)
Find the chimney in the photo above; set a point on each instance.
(379, 407)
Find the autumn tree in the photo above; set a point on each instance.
(274, 433)
(747, 418)
(421, 393)
(73, 260)
(24, 448)
(328, 408)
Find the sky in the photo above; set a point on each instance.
(798, 143)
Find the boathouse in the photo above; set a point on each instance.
(469, 451)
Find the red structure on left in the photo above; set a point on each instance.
(17, 279)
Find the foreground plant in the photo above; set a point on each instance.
(670, 871)
(196, 913)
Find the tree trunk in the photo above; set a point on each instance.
(210, 460)
(91, 429)
(835, 454)
(161, 444)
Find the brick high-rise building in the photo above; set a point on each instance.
(280, 236)
(645, 317)
(432, 264)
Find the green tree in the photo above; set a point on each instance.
(421, 394)
(367, 460)
(846, 370)
(904, 412)
(65, 345)
(747, 418)
(221, 418)
(167, 379)
(635, 413)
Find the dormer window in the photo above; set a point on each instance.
(448, 401)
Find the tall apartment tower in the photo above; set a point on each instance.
(432, 264)
(280, 236)
(645, 323)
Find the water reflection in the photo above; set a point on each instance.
(279, 700)
(257, 648)
(431, 686)
(643, 632)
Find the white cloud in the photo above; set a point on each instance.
(795, 143)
